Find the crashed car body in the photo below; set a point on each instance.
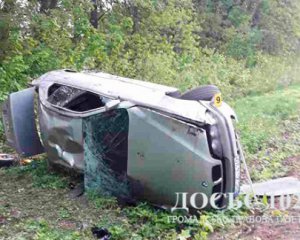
(130, 138)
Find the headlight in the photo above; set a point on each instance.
(214, 132)
(213, 135)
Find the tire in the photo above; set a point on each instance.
(205, 93)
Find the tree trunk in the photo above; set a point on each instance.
(94, 15)
(53, 4)
(47, 4)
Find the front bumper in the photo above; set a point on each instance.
(232, 152)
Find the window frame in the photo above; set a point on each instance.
(72, 113)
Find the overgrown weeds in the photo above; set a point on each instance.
(40, 175)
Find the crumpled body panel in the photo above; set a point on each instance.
(132, 139)
(62, 138)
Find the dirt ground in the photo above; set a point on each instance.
(22, 204)
(64, 211)
(271, 224)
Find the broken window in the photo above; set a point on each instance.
(75, 99)
(106, 152)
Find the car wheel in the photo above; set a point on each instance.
(205, 93)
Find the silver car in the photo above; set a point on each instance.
(130, 138)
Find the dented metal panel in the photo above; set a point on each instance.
(131, 138)
(62, 138)
(166, 156)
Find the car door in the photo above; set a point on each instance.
(19, 123)
(61, 117)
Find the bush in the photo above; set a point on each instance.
(179, 43)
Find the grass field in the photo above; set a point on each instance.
(38, 204)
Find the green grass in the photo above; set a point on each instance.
(40, 175)
(101, 202)
(260, 116)
(42, 230)
(269, 127)
(45, 206)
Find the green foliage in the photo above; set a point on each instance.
(101, 202)
(244, 47)
(269, 129)
(1, 129)
(142, 222)
(237, 16)
(144, 213)
(259, 117)
(271, 160)
(180, 43)
(44, 231)
(64, 213)
(41, 177)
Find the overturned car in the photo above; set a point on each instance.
(130, 138)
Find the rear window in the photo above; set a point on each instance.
(75, 99)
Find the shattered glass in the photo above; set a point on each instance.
(64, 94)
(105, 153)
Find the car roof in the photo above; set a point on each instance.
(105, 83)
(138, 92)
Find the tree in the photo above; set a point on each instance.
(46, 5)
